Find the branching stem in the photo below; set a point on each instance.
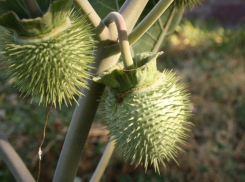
(146, 23)
(123, 38)
(164, 32)
(131, 11)
(149, 20)
(84, 113)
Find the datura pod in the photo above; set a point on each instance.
(145, 111)
(48, 56)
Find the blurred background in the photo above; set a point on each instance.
(208, 51)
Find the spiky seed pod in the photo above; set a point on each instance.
(54, 67)
(146, 111)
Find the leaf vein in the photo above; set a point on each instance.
(108, 7)
(151, 36)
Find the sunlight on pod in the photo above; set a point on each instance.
(54, 69)
(149, 120)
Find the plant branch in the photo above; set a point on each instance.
(164, 32)
(130, 17)
(146, 23)
(103, 161)
(13, 161)
(123, 38)
(101, 30)
(149, 20)
(80, 124)
(84, 113)
(131, 11)
(33, 8)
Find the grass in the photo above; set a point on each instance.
(211, 61)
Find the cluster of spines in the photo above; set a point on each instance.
(145, 126)
(54, 70)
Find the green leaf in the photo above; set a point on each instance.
(150, 38)
(104, 7)
(16, 6)
(19, 8)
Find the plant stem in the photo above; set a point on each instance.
(78, 130)
(131, 11)
(101, 31)
(33, 8)
(84, 113)
(13, 161)
(164, 32)
(130, 17)
(103, 161)
(146, 23)
(149, 20)
(123, 38)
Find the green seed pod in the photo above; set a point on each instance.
(146, 111)
(51, 66)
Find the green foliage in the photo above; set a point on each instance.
(151, 37)
(141, 120)
(16, 6)
(104, 7)
(19, 8)
(207, 57)
(38, 27)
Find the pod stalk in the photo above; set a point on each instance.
(117, 18)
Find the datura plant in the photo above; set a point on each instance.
(49, 56)
(49, 49)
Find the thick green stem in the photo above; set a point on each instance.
(78, 130)
(122, 37)
(101, 31)
(13, 161)
(164, 32)
(33, 8)
(103, 161)
(77, 134)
